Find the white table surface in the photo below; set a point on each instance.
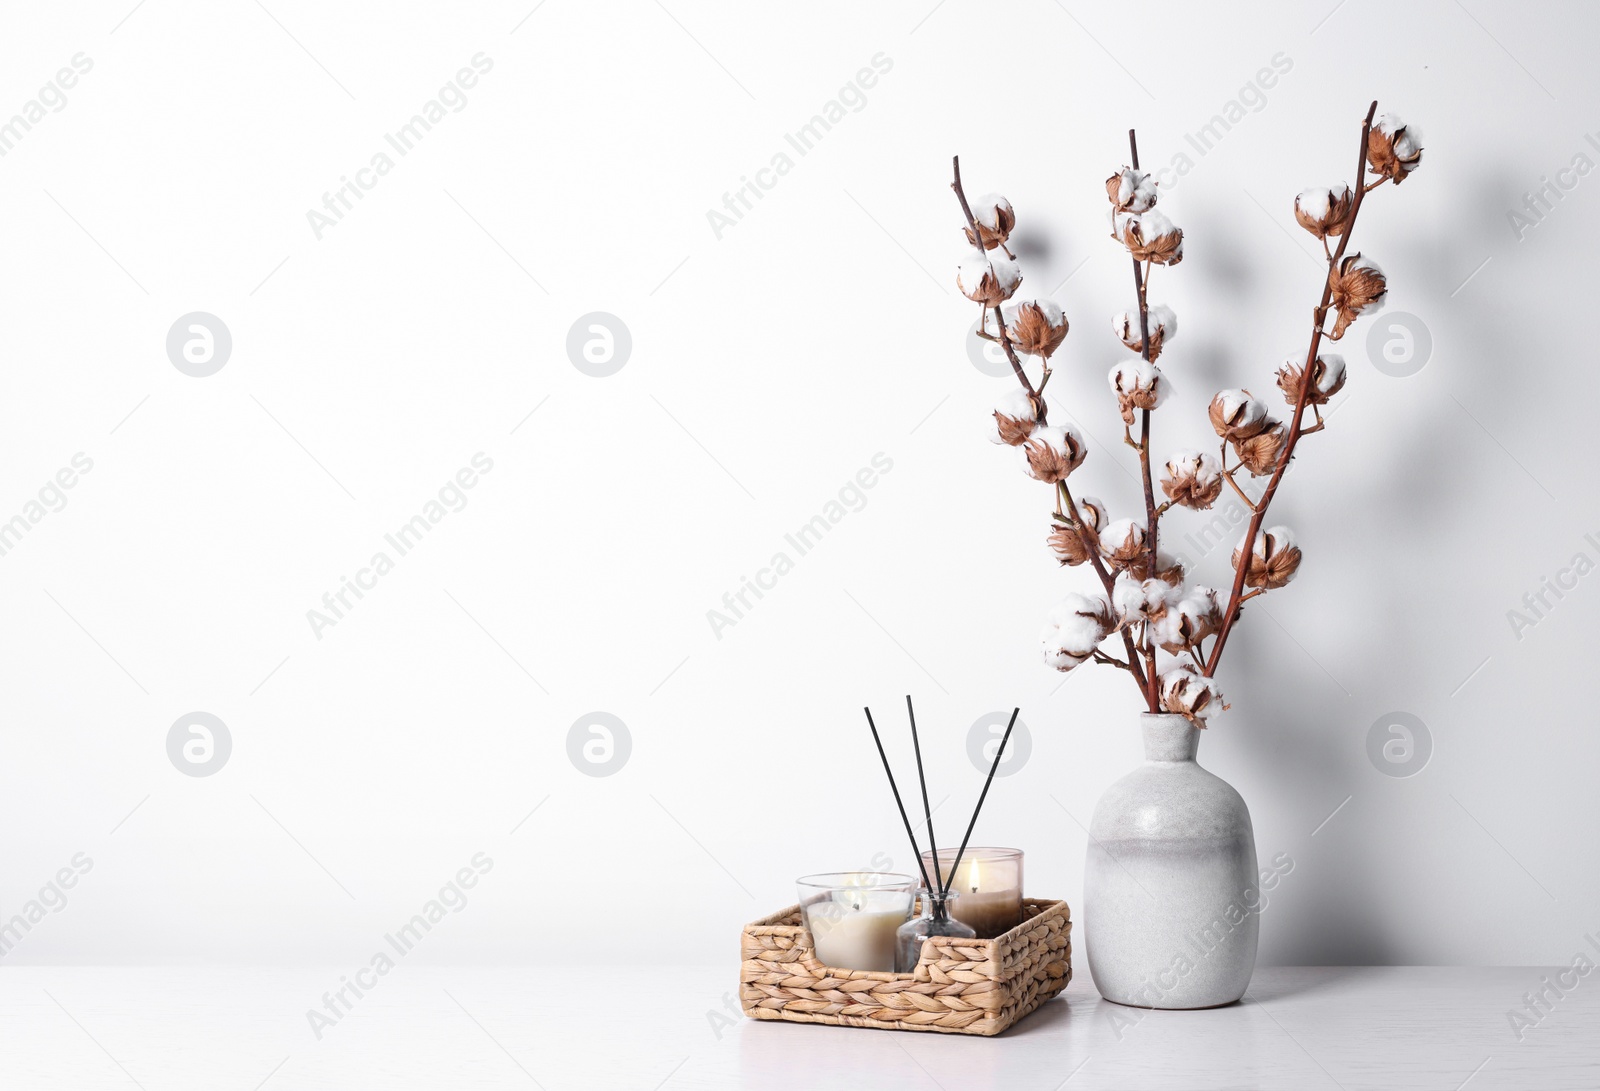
(566, 1030)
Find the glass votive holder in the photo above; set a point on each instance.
(853, 916)
(936, 919)
(989, 881)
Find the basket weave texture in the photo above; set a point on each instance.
(960, 986)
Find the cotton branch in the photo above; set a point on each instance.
(1005, 342)
(1152, 517)
(1072, 515)
(1237, 596)
(1092, 547)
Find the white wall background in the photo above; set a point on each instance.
(768, 367)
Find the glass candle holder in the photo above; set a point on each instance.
(989, 881)
(853, 916)
(937, 919)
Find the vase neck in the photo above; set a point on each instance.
(1168, 737)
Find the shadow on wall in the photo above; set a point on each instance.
(1315, 749)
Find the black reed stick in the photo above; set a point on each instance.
(885, 759)
(927, 812)
(984, 794)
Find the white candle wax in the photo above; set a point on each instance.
(856, 930)
(988, 912)
(989, 915)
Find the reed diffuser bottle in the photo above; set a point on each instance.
(936, 920)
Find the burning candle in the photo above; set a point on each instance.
(853, 917)
(989, 881)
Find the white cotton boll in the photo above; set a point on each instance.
(1274, 561)
(1163, 316)
(1078, 624)
(1137, 600)
(1035, 327)
(1049, 307)
(1169, 563)
(1195, 616)
(1200, 601)
(1361, 261)
(1092, 510)
(990, 209)
(1005, 270)
(1408, 143)
(987, 277)
(1167, 631)
(974, 266)
(1060, 659)
(1131, 190)
(1010, 422)
(1187, 692)
(1327, 378)
(1282, 539)
(1120, 531)
(1152, 224)
(1074, 628)
(1155, 222)
(1314, 202)
(978, 262)
(1235, 414)
(1057, 437)
(1122, 543)
(1233, 401)
(1127, 596)
(1202, 466)
(1120, 222)
(1162, 320)
(1331, 378)
(1193, 479)
(1126, 376)
(1374, 304)
(1325, 210)
(1138, 384)
(1149, 236)
(1052, 452)
(1356, 287)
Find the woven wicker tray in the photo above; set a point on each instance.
(961, 986)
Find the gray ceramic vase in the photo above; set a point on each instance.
(1171, 901)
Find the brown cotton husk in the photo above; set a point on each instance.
(1355, 288)
(1013, 430)
(1133, 339)
(1050, 464)
(1383, 158)
(1259, 453)
(1031, 332)
(1238, 425)
(1126, 552)
(1006, 221)
(1340, 205)
(1168, 571)
(1290, 377)
(1273, 561)
(1166, 249)
(1067, 543)
(988, 291)
(1186, 490)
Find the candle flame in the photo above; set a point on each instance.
(972, 876)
